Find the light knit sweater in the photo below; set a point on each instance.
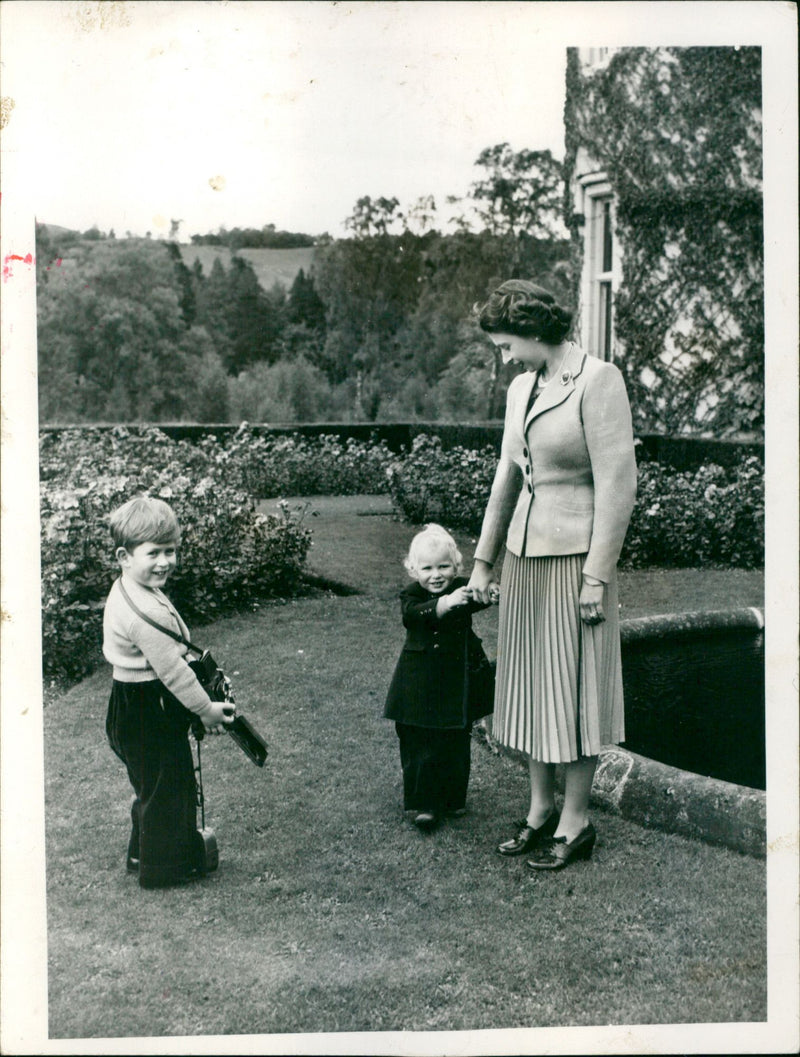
(140, 653)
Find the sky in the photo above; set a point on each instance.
(245, 114)
(128, 114)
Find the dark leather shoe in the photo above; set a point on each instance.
(557, 852)
(131, 864)
(528, 838)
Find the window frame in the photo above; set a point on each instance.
(601, 265)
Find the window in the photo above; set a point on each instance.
(592, 59)
(600, 264)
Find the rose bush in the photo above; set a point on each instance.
(230, 554)
(709, 516)
(429, 483)
(292, 464)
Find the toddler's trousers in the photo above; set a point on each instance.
(435, 767)
(147, 727)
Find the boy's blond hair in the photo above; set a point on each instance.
(432, 533)
(144, 519)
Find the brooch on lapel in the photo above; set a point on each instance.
(565, 377)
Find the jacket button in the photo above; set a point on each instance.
(527, 468)
(530, 489)
(525, 452)
(436, 645)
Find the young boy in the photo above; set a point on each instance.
(433, 698)
(155, 695)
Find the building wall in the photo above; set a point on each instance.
(664, 206)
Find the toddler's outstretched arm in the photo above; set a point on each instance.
(460, 597)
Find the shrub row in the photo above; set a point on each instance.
(450, 486)
(230, 554)
(709, 516)
(272, 465)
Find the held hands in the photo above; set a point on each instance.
(591, 602)
(481, 586)
(456, 598)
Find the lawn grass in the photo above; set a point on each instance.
(358, 541)
(329, 911)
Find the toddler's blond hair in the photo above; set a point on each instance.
(432, 533)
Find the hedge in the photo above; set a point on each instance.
(682, 452)
(713, 515)
(230, 554)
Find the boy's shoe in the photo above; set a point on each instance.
(131, 864)
(455, 812)
(425, 820)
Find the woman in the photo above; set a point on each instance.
(561, 501)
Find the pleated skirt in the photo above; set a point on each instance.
(558, 692)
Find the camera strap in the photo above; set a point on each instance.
(201, 800)
(153, 623)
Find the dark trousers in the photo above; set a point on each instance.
(435, 767)
(148, 729)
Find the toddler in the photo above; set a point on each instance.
(442, 682)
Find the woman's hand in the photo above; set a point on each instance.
(481, 583)
(591, 603)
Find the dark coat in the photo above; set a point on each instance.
(442, 678)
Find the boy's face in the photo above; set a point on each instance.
(435, 570)
(149, 564)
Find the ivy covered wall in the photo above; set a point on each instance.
(678, 133)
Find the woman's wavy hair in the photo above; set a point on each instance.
(529, 311)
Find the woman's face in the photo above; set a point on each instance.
(529, 353)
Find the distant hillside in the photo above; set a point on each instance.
(270, 266)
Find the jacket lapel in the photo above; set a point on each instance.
(560, 387)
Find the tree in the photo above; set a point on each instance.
(304, 305)
(520, 193)
(254, 322)
(422, 214)
(373, 217)
(188, 300)
(109, 330)
(212, 305)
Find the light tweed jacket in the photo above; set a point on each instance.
(566, 479)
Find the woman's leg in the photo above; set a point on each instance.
(578, 778)
(543, 787)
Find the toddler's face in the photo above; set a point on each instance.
(149, 564)
(435, 570)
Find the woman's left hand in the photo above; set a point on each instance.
(591, 603)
